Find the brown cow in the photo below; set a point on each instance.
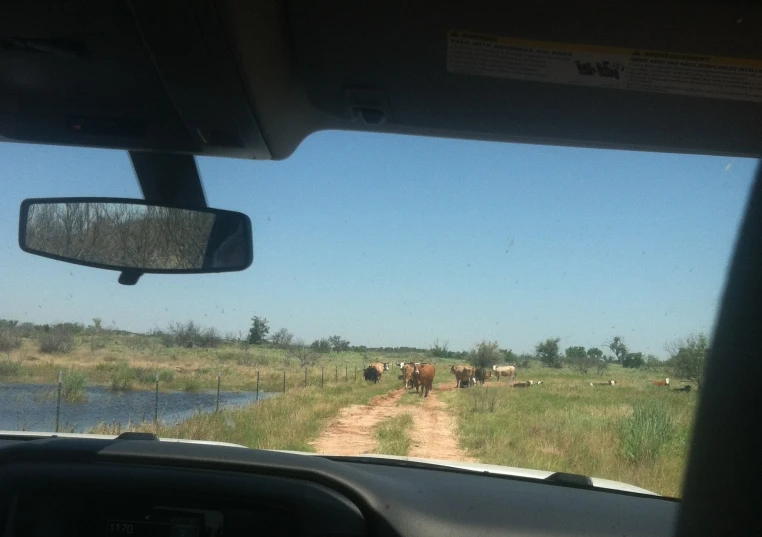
(504, 371)
(423, 376)
(462, 373)
(664, 382)
(380, 367)
(407, 374)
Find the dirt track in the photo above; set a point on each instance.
(433, 435)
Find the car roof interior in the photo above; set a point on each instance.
(251, 80)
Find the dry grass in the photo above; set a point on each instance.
(566, 425)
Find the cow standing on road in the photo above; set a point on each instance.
(423, 376)
(407, 375)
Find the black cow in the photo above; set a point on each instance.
(371, 374)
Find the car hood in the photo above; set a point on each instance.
(469, 466)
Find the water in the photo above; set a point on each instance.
(32, 407)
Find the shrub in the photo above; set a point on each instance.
(547, 352)
(122, 377)
(166, 375)
(10, 369)
(191, 385)
(482, 400)
(485, 355)
(73, 385)
(96, 343)
(321, 345)
(59, 340)
(645, 432)
(9, 342)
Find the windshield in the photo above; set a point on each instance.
(558, 303)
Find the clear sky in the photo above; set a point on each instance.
(392, 240)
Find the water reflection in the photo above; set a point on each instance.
(32, 407)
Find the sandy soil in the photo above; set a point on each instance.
(433, 435)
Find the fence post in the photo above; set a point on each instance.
(257, 385)
(355, 373)
(217, 409)
(58, 405)
(336, 378)
(322, 375)
(156, 401)
(284, 381)
(305, 377)
(346, 372)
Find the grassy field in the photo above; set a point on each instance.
(632, 432)
(287, 422)
(132, 362)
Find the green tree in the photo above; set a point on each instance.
(688, 361)
(619, 349)
(652, 363)
(321, 345)
(633, 360)
(547, 352)
(282, 338)
(258, 331)
(485, 355)
(509, 356)
(594, 352)
(338, 344)
(579, 357)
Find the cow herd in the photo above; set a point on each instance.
(420, 375)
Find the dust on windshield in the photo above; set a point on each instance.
(527, 306)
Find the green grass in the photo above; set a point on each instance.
(288, 421)
(393, 435)
(645, 432)
(73, 386)
(9, 368)
(632, 432)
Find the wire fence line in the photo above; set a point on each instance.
(77, 395)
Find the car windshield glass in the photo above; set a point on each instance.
(558, 303)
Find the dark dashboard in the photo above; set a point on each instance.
(135, 488)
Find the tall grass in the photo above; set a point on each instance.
(9, 368)
(631, 432)
(645, 432)
(73, 386)
(122, 377)
(393, 435)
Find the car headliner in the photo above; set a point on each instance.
(252, 79)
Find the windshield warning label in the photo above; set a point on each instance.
(604, 67)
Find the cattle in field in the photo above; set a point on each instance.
(664, 382)
(482, 374)
(423, 377)
(380, 367)
(609, 383)
(685, 388)
(407, 374)
(462, 373)
(508, 371)
(371, 374)
(525, 384)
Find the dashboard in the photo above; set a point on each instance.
(60, 487)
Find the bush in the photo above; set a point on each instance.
(191, 385)
(321, 345)
(9, 342)
(122, 377)
(166, 375)
(547, 352)
(644, 433)
(73, 386)
(59, 340)
(10, 369)
(485, 355)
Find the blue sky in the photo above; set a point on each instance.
(392, 240)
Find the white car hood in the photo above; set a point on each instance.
(470, 466)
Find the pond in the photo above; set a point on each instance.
(32, 407)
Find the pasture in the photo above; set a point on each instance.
(632, 432)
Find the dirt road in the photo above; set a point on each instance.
(433, 435)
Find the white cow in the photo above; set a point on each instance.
(504, 371)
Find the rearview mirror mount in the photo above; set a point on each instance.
(136, 236)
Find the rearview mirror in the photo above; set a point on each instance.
(124, 234)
